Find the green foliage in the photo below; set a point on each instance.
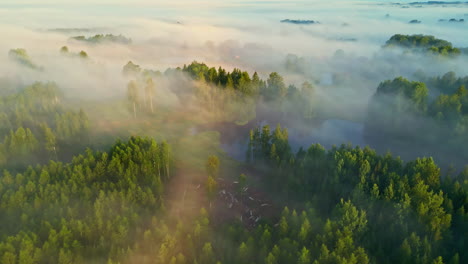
(20, 144)
(21, 56)
(229, 96)
(401, 89)
(242, 184)
(236, 80)
(307, 240)
(83, 54)
(401, 104)
(416, 41)
(131, 69)
(266, 145)
(447, 83)
(348, 205)
(401, 212)
(100, 38)
(36, 126)
(64, 49)
(276, 89)
(66, 52)
(211, 187)
(424, 43)
(212, 166)
(84, 210)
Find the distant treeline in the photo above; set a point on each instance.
(424, 43)
(236, 87)
(299, 22)
(100, 38)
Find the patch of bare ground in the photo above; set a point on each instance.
(249, 207)
(185, 194)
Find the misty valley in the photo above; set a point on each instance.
(212, 132)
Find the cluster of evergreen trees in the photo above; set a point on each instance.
(413, 215)
(297, 238)
(297, 102)
(233, 94)
(346, 205)
(303, 238)
(237, 79)
(36, 126)
(273, 89)
(90, 210)
(424, 43)
(402, 108)
(357, 207)
(416, 41)
(446, 84)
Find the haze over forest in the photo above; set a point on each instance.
(233, 131)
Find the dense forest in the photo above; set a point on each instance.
(347, 199)
(391, 211)
(86, 210)
(146, 172)
(400, 109)
(36, 126)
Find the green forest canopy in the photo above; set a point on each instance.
(341, 205)
(424, 43)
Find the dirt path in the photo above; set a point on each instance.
(185, 194)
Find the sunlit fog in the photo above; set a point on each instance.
(232, 131)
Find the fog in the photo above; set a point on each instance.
(341, 56)
(233, 34)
